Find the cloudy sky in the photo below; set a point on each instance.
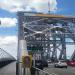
(8, 17)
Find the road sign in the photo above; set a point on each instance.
(35, 48)
(26, 61)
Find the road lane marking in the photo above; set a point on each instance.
(53, 74)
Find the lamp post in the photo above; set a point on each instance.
(49, 6)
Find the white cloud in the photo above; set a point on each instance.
(9, 43)
(41, 5)
(11, 5)
(19, 5)
(8, 22)
(69, 50)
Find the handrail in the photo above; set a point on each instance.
(46, 73)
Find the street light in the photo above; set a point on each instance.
(49, 6)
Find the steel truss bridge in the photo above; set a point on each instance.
(52, 32)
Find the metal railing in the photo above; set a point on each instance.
(41, 72)
(32, 71)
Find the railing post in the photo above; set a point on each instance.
(17, 68)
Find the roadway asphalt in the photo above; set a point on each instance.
(60, 71)
(10, 69)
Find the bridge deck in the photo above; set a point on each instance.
(10, 69)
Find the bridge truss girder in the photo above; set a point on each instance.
(47, 32)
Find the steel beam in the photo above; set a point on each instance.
(63, 51)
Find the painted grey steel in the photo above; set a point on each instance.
(48, 32)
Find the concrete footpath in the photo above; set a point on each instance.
(10, 69)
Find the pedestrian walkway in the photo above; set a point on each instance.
(10, 69)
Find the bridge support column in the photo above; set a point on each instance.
(63, 51)
(54, 53)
